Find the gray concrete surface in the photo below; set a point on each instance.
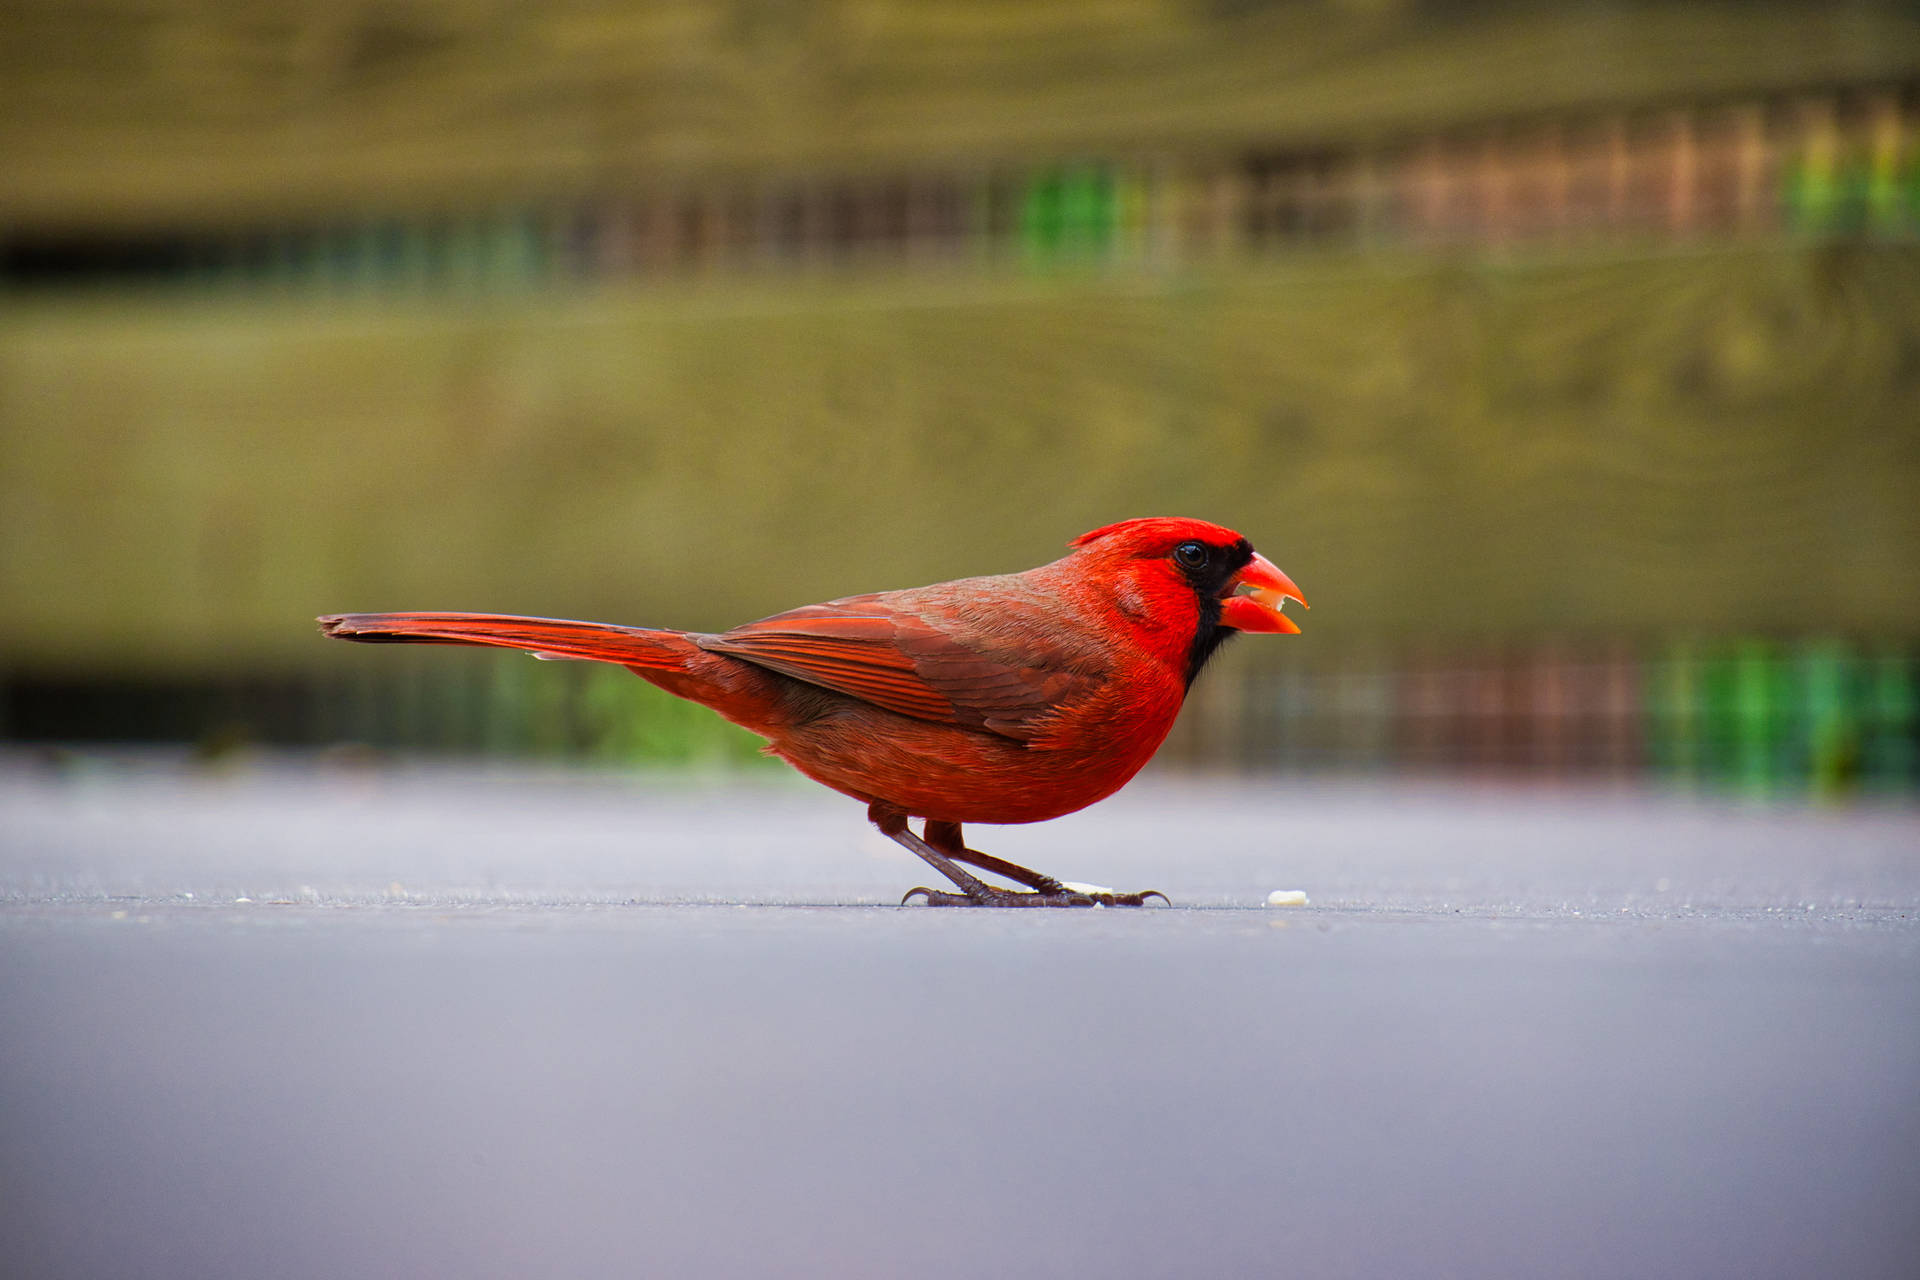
(300, 1019)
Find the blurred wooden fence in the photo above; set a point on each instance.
(1646, 445)
(1799, 165)
(139, 114)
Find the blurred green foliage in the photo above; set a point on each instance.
(452, 702)
(1763, 717)
(628, 721)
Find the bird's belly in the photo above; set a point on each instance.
(962, 775)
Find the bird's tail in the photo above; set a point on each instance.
(542, 637)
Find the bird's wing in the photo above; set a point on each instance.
(916, 658)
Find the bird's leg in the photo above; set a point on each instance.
(946, 837)
(943, 848)
(973, 890)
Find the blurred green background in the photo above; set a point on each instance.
(1567, 355)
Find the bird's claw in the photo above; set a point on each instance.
(1107, 898)
(1021, 898)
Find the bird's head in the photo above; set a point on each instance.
(1167, 565)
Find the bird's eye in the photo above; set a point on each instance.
(1191, 555)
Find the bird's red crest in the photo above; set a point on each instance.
(1154, 534)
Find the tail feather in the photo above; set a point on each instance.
(542, 637)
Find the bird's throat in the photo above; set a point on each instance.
(1207, 638)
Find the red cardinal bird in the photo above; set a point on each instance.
(1015, 698)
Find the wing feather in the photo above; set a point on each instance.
(916, 656)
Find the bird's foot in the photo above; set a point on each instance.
(1060, 896)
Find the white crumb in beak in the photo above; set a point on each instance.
(1287, 898)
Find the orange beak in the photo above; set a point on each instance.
(1255, 596)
